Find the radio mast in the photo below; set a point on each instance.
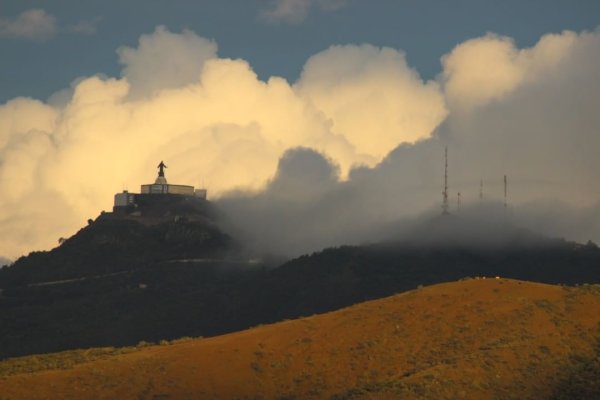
(505, 190)
(445, 192)
(481, 190)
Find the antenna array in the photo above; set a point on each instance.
(445, 205)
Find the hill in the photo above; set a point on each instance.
(123, 279)
(171, 227)
(478, 338)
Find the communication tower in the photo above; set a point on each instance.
(445, 192)
(481, 190)
(505, 190)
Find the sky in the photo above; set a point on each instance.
(323, 118)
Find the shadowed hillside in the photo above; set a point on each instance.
(172, 227)
(475, 339)
(122, 280)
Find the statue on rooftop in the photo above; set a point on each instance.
(161, 169)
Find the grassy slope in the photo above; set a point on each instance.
(481, 339)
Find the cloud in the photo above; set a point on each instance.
(292, 213)
(38, 25)
(353, 84)
(295, 11)
(85, 26)
(490, 68)
(540, 129)
(343, 155)
(540, 132)
(302, 173)
(35, 24)
(165, 60)
(211, 119)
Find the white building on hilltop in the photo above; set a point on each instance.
(159, 187)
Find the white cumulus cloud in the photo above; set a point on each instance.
(210, 119)
(355, 143)
(491, 67)
(165, 60)
(372, 97)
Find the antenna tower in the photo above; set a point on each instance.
(481, 190)
(505, 190)
(445, 192)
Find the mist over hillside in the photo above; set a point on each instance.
(123, 279)
(305, 208)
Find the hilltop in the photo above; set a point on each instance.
(484, 339)
(171, 227)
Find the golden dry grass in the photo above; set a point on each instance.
(474, 339)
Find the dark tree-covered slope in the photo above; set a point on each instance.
(122, 280)
(115, 243)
